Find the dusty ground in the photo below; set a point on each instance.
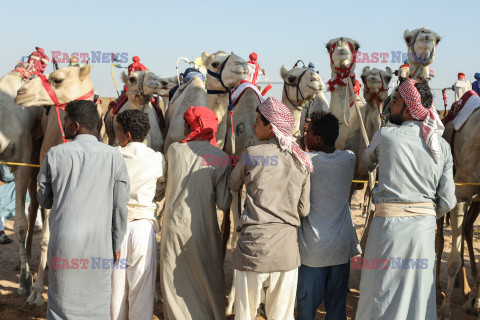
(12, 306)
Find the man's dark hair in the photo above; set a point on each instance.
(84, 112)
(136, 122)
(264, 120)
(326, 126)
(425, 93)
(423, 88)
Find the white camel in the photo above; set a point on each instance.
(139, 95)
(231, 69)
(422, 43)
(68, 84)
(466, 154)
(300, 87)
(16, 144)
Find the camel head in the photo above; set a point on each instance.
(234, 70)
(376, 83)
(340, 51)
(142, 85)
(68, 84)
(421, 45)
(310, 84)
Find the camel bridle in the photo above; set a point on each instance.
(416, 58)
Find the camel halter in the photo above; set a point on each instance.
(340, 79)
(376, 95)
(228, 90)
(416, 59)
(59, 105)
(296, 86)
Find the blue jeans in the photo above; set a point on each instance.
(328, 284)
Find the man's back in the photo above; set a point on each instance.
(407, 170)
(83, 174)
(327, 236)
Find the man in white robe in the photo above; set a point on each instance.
(133, 287)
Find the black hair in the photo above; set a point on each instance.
(326, 126)
(423, 88)
(425, 93)
(84, 112)
(264, 120)
(136, 122)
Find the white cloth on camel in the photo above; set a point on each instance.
(470, 106)
(241, 89)
(133, 284)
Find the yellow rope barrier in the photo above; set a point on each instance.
(355, 181)
(20, 164)
(457, 183)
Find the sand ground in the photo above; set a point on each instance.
(13, 306)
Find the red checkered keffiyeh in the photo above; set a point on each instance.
(282, 125)
(432, 126)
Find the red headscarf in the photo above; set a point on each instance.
(282, 123)
(203, 124)
(136, 65)
(432, 126)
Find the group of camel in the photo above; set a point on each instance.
(303, 89)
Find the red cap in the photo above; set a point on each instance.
(405, 65)
(136, 59)
(253, 56)
(461, 76)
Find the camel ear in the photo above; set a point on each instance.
(437, 38)
(284, 73)
(407, 36)
(124, 77)
(206, 58)
(365, 71)
(329, 46)
(85, 71)
(389, 71)
(356, 45)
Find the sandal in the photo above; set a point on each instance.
(4, 239)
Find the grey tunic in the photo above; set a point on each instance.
(404, 288)
(86, 185)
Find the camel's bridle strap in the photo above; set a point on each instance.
(59, 105)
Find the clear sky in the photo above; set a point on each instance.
(281, 32)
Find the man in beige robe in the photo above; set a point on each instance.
(191, 260)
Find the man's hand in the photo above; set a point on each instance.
(116, 257)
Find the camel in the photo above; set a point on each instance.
(139, 95)
(375, 92)
(224, 73)
(16, 145)
(300, 86)
(421, 43)
(466, 154)
(68, 84)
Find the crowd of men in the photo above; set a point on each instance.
(296, 230)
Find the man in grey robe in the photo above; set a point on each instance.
(86, 185)
(415, 186)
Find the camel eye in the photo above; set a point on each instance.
(57, 81)
(132, 79)
(215, 64)
(292, 79)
